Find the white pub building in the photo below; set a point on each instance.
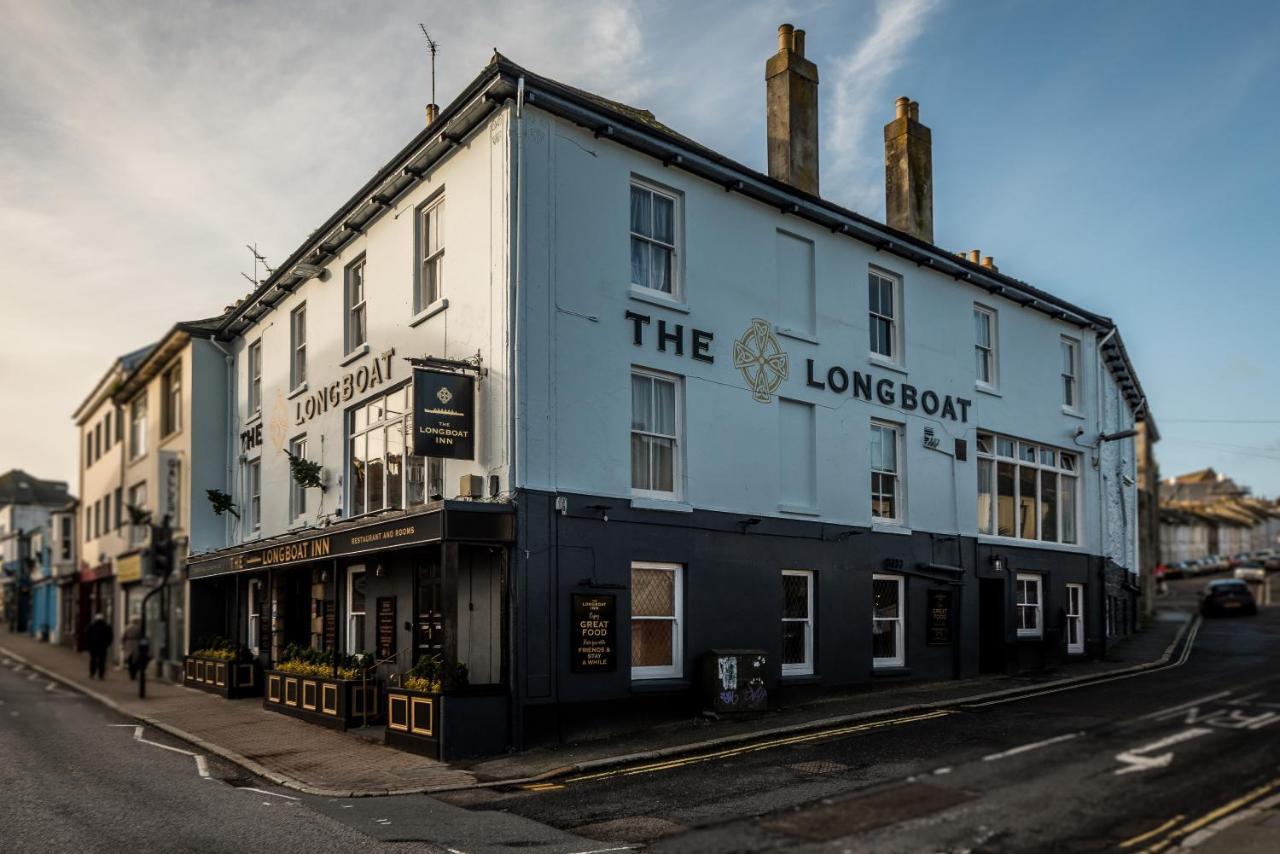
(711, 411)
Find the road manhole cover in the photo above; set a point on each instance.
(819, 766)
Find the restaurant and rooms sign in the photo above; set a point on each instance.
(444, 414)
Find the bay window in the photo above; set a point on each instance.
(1027, 491)
(383, 472)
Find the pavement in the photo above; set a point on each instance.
(317, 760)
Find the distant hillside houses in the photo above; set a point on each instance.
(1206, 513)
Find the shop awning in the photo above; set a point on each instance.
(457, 521)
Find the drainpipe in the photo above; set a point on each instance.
(1099, 379)
(513, 576)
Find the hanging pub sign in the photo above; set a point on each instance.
(594, 632)
(939, 618)
(444, 414)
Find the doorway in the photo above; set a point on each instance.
(992, 613)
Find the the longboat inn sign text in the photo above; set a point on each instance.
(764, 367)
(444, 414)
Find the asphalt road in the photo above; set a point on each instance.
(1073, 770)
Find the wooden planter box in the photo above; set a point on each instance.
(473, 722)
(337, 703)
(229, 679)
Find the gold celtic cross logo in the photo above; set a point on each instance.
(444, 394)
(760, 358)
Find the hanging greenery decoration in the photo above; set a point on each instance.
(221, 502)
(307, 474)
(138, 516)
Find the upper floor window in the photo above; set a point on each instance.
(1027, 491)
(171, 402)
(1070, 373)
(106, 431)
(430, 254)
(138, 501)
(883, 314)
(65, 524)
(356, 333)
(255, 377)
(138, 427)
(653, 238)
(88, 448)
(254, 504)
(886, 475)
(383, 472)
(655, 434)
(97, 440)
(984, 345)
(298, 346)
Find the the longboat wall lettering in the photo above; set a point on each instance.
(355, 382)
(861, 385)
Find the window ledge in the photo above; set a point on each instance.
(797, 334)
(1035, 637)
(987, 389)
(657, 298)
(1014, 542)
(879, 362)
(667, 504)
(659, 685)
(430, 311)
(297, 390)
(797, 510)
(800, 679)
(355, 354)
(254, 418)
(1074, 413)
(890, 528)
(889, 670)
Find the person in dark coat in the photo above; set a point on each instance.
(98, 638)
(129, 645)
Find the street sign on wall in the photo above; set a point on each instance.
(444, 414)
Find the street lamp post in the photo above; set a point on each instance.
(162, 567)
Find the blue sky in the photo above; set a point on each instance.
(1120, 155)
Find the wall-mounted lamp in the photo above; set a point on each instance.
(604, 511)
(997, 563)
(377, 571)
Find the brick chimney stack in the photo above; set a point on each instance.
(908, 172)
(791, 103)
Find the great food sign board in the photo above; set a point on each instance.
(444, 414)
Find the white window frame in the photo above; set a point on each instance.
(803, 668)
(899, 475)
(895, 320)
(676, 669)
(254, 370)
(677, 450)
(1037, 605)
(1075, 613)
(349, 639)
(900, 630)
(138, 427)
(253, 620)
(253, 486)
(1071, 379)
(991, 351)
(677, 229)
(400, 423)
(991, 457)
(429, 213)
(297, 495)
(298, 347)
(351, 310)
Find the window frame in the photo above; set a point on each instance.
(677, 451)
(433, 205)
(992, 351)
(1070, 380)
(253, 489)
(403, 421)
(298, 347)
(899, 475)
(138, 498)
(171, 400)
(676, 247)
(896, 339)
(348, 639)
(1077, 617)
(991, 458)
(138, 427)
(253, 618)
(253, 378)
(297, 495)
(805, 667)
(900, 632)
(676, 669)
(349, 308)
(1038, 605)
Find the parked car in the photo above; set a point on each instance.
(1227, 596)
(1237, 559)
(1177, 569)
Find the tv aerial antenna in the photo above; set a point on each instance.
(433, 46)
(258, 258)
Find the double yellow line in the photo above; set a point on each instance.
(1203, 821)
(754, 747)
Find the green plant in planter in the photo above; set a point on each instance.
(221, 502)
(306, 661)
(424, 676)
(138, 516)
(307, 474)
(219, 648)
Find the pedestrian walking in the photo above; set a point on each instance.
(1162, 585)
(98, 639)
(129, 643)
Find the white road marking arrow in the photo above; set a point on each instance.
(1136, 760)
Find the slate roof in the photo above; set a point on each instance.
(18, 487)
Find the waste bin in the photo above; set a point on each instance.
(734, 680)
